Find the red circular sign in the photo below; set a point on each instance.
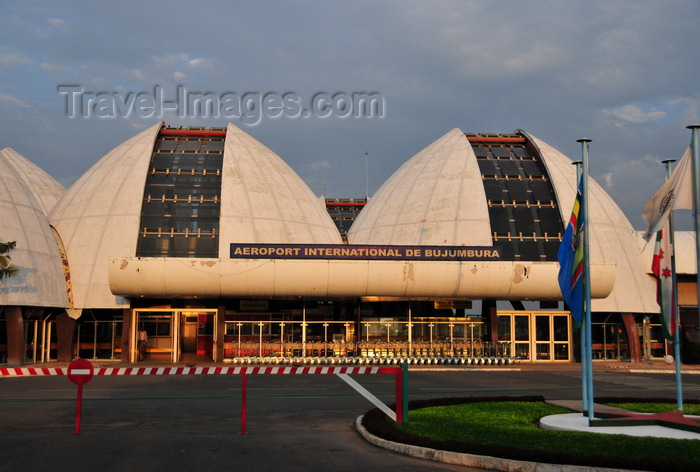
(80, 371)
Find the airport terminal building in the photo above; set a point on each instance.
(202, 245)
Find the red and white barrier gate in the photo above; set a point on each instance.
(399, 371)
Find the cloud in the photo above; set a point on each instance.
(7, 100)
(634, 114)
(14, 60)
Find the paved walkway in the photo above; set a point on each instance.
(579, 422)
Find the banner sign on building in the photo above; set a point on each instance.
(365, 252)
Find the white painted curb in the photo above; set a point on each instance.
(473, 460)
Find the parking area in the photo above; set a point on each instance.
(295, 423)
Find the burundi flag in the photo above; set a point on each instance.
(571, 256)
(661, 267)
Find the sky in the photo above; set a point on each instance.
(78, 79)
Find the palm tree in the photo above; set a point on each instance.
(6, 267)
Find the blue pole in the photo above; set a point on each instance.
(587, 279)
(582, 334)
(674, 305)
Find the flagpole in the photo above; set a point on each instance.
(582, 332)
(695, 149)
(587, 277)
(674, 302)
(366, 177)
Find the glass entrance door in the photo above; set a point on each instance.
(173, 335)
(188, 337)
(536, 336)
(153, 337)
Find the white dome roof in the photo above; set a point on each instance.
(99, 217)
(264, 201)
(45, 188)
(41, 280)
(436, 198)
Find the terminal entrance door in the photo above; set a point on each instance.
(188, 337)
(536, 335)
(185, 335)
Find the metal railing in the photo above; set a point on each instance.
(380, 342)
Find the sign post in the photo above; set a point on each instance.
(80, 372)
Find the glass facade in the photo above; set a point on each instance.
(343, 212)
(181, 202)
(525, 219)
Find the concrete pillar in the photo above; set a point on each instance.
(15, 335)
(489, 314)
(632, 337)
(65, 333)
(126, 332)
(220, 333)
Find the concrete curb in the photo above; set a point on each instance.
(472, 460)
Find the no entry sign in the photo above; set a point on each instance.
(80, 371)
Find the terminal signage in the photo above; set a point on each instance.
(365, 252)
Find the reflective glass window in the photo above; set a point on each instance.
(181, 205)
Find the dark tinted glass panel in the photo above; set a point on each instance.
(549, 220)
(214, 145)
(529, 251)
(509, 168)
(524, 221)
(541, 191)
(518, 190)
(161, 179)
(501, 152)
(487, 167)
(167, 145)
(521, 152)
(499, 220)
(532, 169)
(508, 248)
(551, 248)
(481, 152)
(493, 190)
(191, 146)
(162, 161)
(152, 223)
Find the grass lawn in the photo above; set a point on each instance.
(508, 428)
(692, 409)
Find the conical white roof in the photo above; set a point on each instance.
(264, 201)
(45, 188)
(436, 198)
(99, 217)
(25, 192)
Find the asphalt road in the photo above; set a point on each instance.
(294, 422)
